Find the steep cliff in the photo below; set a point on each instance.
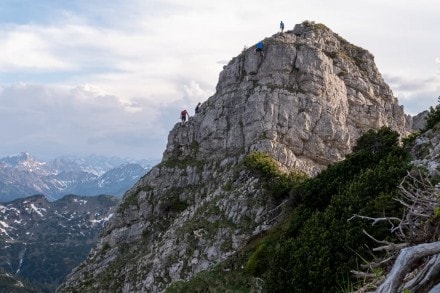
(304, 102)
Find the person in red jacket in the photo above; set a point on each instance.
(183, 115)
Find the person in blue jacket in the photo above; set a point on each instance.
(259, 48)
(282, 26)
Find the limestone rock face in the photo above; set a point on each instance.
(419, 121)
(305, 102)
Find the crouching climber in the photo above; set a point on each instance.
(259, 49)
(197, 110)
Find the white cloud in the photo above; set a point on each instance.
(416, 94)
(22, 48)
(194, 93)
(112, 77)
(83, 119)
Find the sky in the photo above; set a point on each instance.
(109, 77)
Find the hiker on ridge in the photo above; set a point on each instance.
(198, 108)
(183, 115)
(259, 48)
(282, 26)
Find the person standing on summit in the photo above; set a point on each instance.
(282, 26)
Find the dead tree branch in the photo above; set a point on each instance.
(417, 267)
(403, 264)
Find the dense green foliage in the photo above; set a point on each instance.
(262, 163)
(319, 245)
(277, 182)
(433, 117)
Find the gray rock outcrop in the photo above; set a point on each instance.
(419, 121)
(305, 102)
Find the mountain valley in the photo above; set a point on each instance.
(43, 241)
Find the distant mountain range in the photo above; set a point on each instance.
(23, 175)
(42, 241)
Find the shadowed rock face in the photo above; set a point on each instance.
(305, 103)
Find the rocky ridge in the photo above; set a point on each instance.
(426, 152)
(305, 102)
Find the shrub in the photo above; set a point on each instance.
(408, 142)
(321, 246)
(258, 260)
(262, 164)
(277, 182)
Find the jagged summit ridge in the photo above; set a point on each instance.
(305, 103)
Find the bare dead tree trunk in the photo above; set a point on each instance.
(427, 277)
(402, 266)
(417, 266)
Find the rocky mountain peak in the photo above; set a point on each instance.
(21, 161)
(304, 101)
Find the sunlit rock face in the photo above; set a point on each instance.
(304, 102)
